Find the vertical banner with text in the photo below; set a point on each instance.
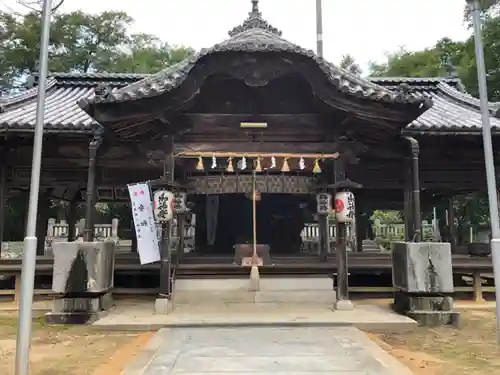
(145, 228)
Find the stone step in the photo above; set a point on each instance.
(278, 290)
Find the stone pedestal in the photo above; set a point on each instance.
(83, 276)
(79, 310)
(163, 306)
(422, 273)
(428, 310)
(344, 305)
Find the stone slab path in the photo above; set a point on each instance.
(264, 350)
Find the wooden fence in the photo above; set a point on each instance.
(58, 231)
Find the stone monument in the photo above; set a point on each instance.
(423, 277)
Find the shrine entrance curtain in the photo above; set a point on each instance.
(212, 212)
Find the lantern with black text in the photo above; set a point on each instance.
(323, 203)
(180, 202)
(163, 205)
(344, 207)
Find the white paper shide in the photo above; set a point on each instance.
(344, 207)
(145, 227)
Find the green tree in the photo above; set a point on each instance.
(440, 60)
(142, 53)
(349, 63)
(489, 7)
(387, 217)
(79, 42)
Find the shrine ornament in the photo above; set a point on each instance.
(163, 205)
(344, 207)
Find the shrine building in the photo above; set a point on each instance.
(252, 109)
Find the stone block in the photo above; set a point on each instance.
(72, 318)
(429, 311)
(435, 318)
(82, 310)
(422, 267)
(326, 297)
(83, 267)
(163, 306)
(344, 305)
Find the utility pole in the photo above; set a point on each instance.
(319, 28)
(23, 341)
(488, 151)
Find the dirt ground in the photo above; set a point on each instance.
(470, 350)
(76, 350)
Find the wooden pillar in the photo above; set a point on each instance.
(91, 195)
(181, 231)
(134, 238)
(417, 211)
(42, 222)
(166, 236)
(408, 199)
(360, 228)
(72, 217)
(3, 191)
(324, 238)
(342, 266)
(452, 228)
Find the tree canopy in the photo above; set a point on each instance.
(80, 42)
(349, 63)
(450, 58)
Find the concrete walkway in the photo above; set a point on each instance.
(264, 350)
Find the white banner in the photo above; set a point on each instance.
(145, 228)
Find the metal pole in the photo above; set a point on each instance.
(488, 151)
(29, 257)
(319, 28)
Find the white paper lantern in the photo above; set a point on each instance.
(344, 207)
(163, 205)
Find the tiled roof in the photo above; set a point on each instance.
(255, 35)
(454, 109)
(62, 112)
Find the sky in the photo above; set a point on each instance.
(365, 29)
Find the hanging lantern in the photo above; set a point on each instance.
(323, 203)
(199, 165)
(302, 164)
(163, 205)
(316, 168)
(273, 162)
(344, 207)
(214, 162)
(285, 167)
(230, 167)
(179, 204)
(258, 167)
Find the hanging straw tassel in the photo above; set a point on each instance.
(230, 167)
(258, 167)
(316, 168)
(285, 167)
(199, 165)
